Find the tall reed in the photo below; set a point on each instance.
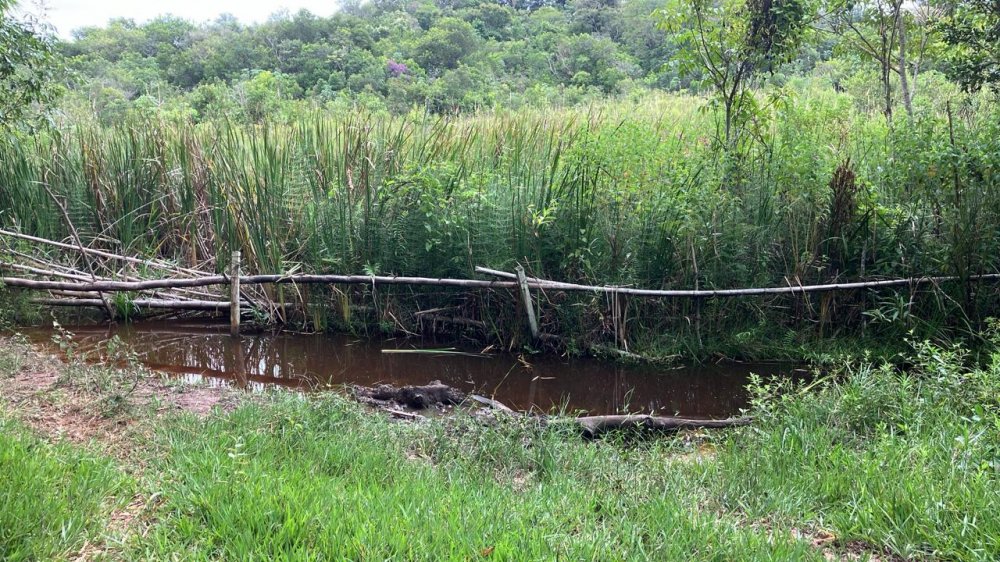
(629, 193)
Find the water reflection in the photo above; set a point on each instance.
(205, 353)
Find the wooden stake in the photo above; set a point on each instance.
(234, 294)
(529, 307)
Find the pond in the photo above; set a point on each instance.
(204, 352)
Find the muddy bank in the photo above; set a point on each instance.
(84, 402)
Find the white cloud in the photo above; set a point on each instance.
(67, 15)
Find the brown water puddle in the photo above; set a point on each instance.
(204, 352)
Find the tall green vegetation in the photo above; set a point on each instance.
(633, 193)
(427, 138)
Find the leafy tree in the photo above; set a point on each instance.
(493, 21)
(972, 30)
(27, 66)
(446, 44)
(260, 95)
(731, 42)
(589, 60)
(642, 38)
(883, 31)
(596, 16)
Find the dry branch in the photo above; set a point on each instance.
(249, 280)
(140, 303)
(155, 264)
(79, 244)
(45, 272)
(710, 293)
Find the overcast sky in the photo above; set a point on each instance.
(67, 15)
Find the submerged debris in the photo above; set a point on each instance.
(433, 395)
(440, 396)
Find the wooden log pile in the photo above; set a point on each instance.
(81, 276)
(73, 275)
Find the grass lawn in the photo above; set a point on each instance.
(871, 462)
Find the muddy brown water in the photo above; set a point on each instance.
(204, 352)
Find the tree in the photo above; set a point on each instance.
(260, 95)
(880, 30)
(27, 66)
(595, 16)
(972, 31)
(729, 43)
(590, 60)
(446, 44)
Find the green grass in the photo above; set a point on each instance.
(320, 478)
(885, 460)
(52, 496)
(906, 460)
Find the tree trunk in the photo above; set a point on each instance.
(904, 82)
(885, 64)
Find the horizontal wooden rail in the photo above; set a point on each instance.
(140, 303)
(534, 283)
(708, 293)
(114, 286)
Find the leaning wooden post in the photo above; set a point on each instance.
(529, 307)
(234, 294)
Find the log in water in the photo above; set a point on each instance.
(204, 352)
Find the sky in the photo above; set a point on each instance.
(67, 15)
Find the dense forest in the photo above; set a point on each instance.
(447, 56)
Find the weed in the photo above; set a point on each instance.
(110, 374)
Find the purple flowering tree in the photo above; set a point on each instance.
(396, 68)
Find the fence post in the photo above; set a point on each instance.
(529, 307)
(234, 294)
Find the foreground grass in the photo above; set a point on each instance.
(296, 478)
(52, 496)
(871, 461)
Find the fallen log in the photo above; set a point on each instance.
(417, 397)
(594, 426)
(437, 394)
(139, 303)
